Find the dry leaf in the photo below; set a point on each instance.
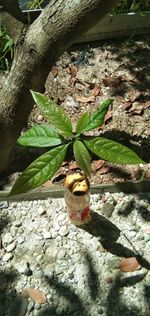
(112, 82)
(36, 295)
(95, 91)
(108, 116)
(86, 99)
(127, 105)
(128, 77)
(133, 95)
(98, 164)
(129, 264)
(73, 71)
(147, 104)
(54, 71)
(73, 166)
(102, 170)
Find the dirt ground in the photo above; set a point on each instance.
(89, 73)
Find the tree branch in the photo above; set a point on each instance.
(13, 27)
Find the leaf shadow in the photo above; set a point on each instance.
(108, 233)
(67, 292)
(115, 304)
(7, 297)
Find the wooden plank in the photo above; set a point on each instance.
(58, 192)
(120, 25)
(111, 26)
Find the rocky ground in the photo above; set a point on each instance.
(48, 266)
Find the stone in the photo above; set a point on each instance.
(107, 209)
(63, 231)
(61, 217)
(7, 239)
(20, 239)
(54, 234)
(47, 235)
(11, 247)
(17, 223)
(38, 273)
(21, 267)
(61, 253)
(13, 231)
(41, 210)
(7, 257)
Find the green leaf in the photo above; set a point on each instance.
(82, 123)
(82, 156)
(39, 171)
(54, 113)
(40, 136)
(112, 151)
(97, 118)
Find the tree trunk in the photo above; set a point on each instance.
(37, 47)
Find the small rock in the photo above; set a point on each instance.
(61, 217)
(7, 257)
(54, 234)
(147, 238)
(21, 267)
(28, 272)
(63, 231)
(61, 253)
(38, 273)
(41, 210)
(47, 235)
(17, 223)
(20, 239)
(10, 247)
(13, 231)
(107, 209)
(7, 239)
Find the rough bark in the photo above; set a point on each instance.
(37, 49)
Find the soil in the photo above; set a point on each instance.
(89, 73)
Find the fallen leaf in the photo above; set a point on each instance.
(98, 164)
(54, 71)
(73, 71)
(128, 77)
(96, 90)
(108, 116)
(36, 295)
(147, 104)
(111, 82)
(82, 99)
(73, 166)
(132, 95)
(129, 264)
(137, 108)
(58, 177)
(103, 170)
(127, 105)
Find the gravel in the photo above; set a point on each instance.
(77, 268)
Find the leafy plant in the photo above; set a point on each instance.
(61, 137)
(124, 6)
(6, 50)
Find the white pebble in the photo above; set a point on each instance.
(61, 253)
(10, 247)
(7, 238)
(63, 231)
(7, 257)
